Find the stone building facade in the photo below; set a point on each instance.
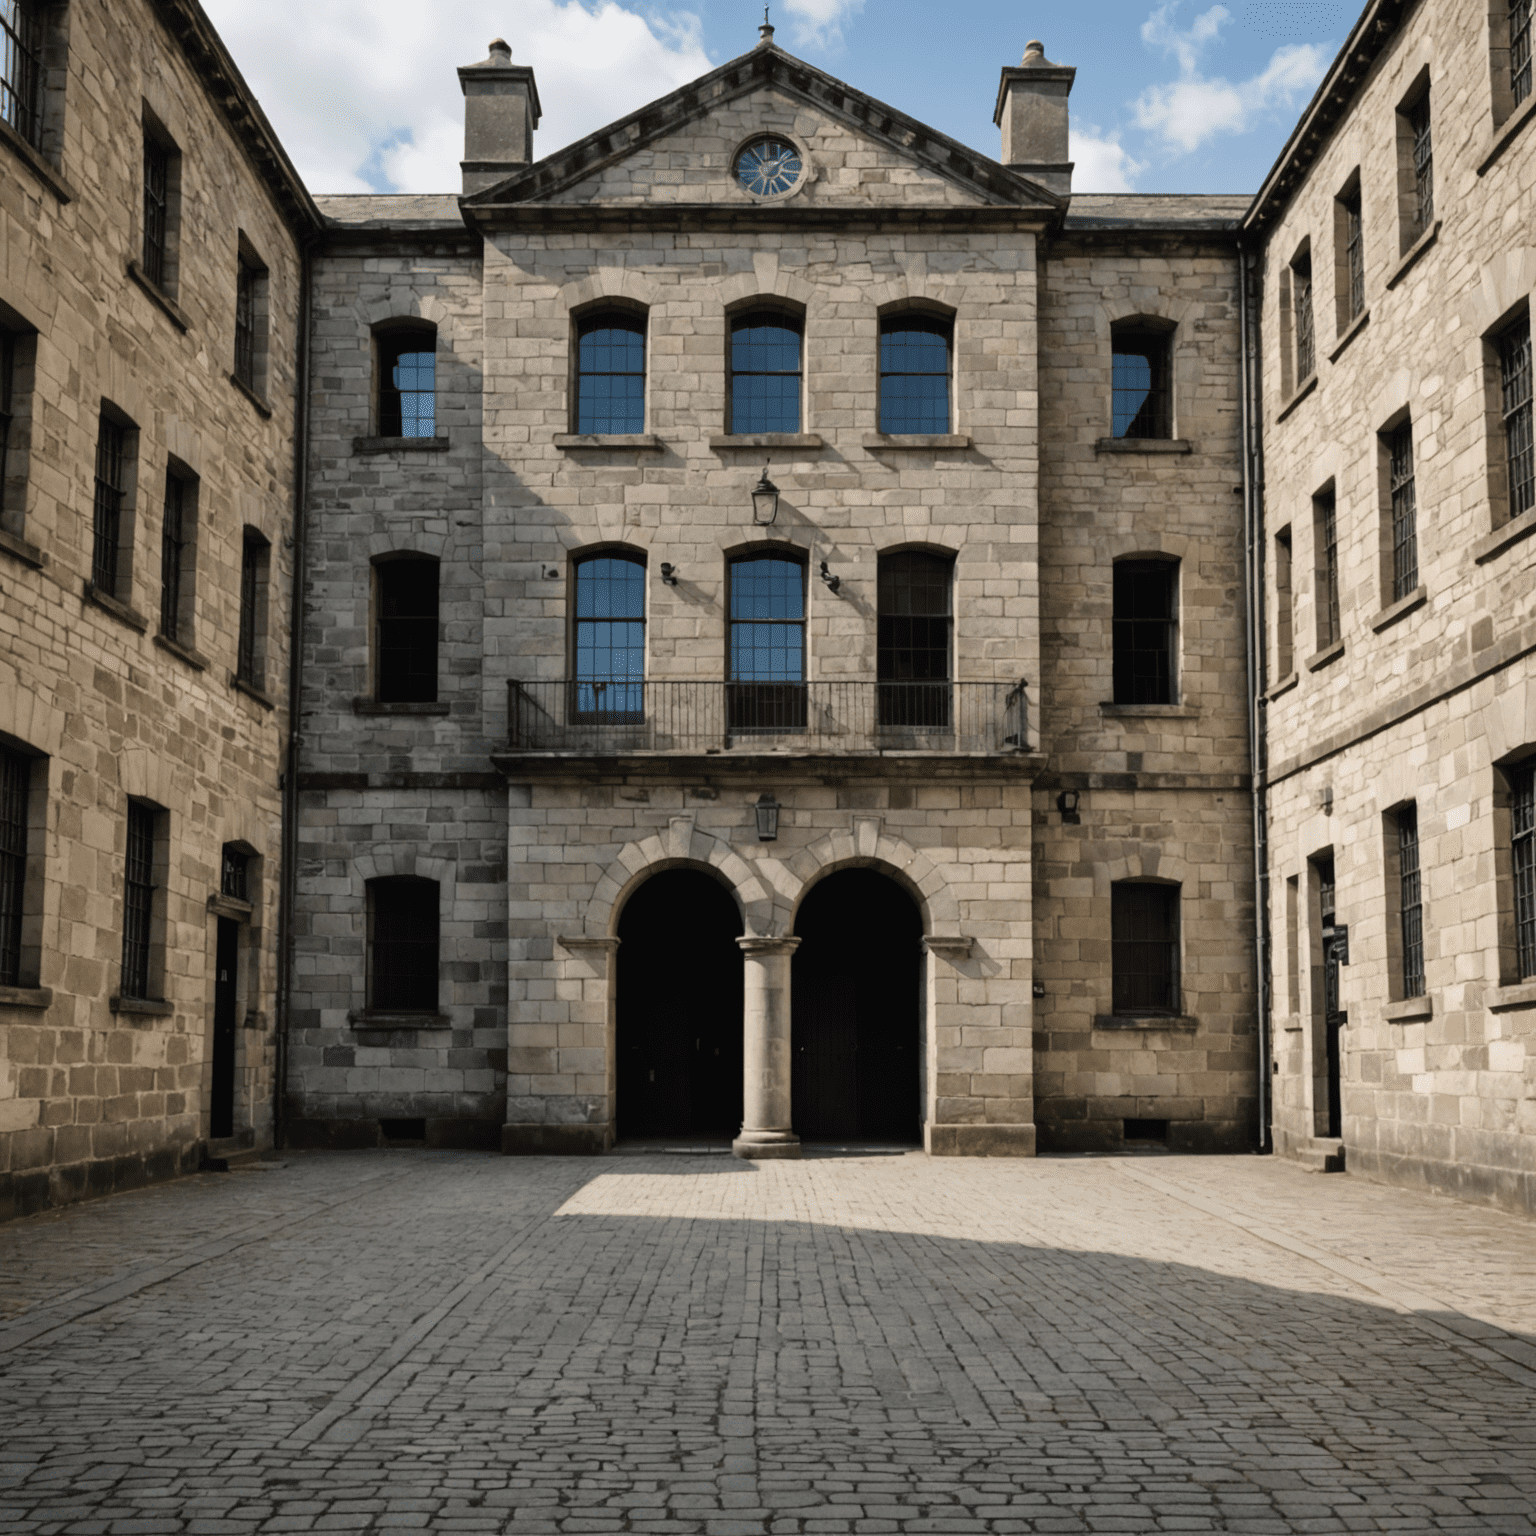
(148, 495)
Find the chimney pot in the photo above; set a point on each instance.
(1032, 113)
(501, 111)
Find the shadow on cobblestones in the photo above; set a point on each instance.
(650, 1344)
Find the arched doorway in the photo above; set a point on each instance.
(679, 1009)
(856, 1000)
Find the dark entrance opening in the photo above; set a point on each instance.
(856, 985)
(221, 1103)
(1334, 1017)
(679, 1010)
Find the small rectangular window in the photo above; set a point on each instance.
(1285, 650)
(1522, 806)
(111, 494)
(403, 945)
(1404, 501)
(253, 580)
(139, 900)
(175, 565)
(21, 69)
(408, 383)
(1142, 398)
(15, 786)
(1325, 540)
(232, 873)
(1519, 50)
(406, 627)
(1410, 901)
(914, 374)
(1515, 401)
(1145, 631)
(1144, 932)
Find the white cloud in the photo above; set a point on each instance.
(1158, 31)
(819, 23)
(1100, 162)
(371, 98)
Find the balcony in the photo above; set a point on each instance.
(620, 718)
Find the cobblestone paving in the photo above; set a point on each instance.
(403, 1341)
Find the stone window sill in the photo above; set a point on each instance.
(1508, 132)
(1356, 325)
(609, 442)
(251, 691)
(1285, 684)
(1501, 538)
(913, 442)
(1144, 445)
(26, 997)
(150, 1007)
(256, 399)
(1145, 1021)
(19, 549)
(1412, 254)
(1149, 711)
(1411, 1008)
(370, 1018)
(173, 311)
(377, 707)
(1521, 994)
(367, 445)
(119, 610)
(766, 440)
(1400, 609)
(230, 906)
(194, 659)
(47, 173)
(1326, 656)
(1299, 394)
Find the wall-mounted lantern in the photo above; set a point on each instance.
(765, 500)
(833, 582)
(668, 574)
(767, 809)
(1066, 803)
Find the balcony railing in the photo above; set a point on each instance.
(622, 716)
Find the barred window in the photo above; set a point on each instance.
(1140, 366)
(1301, 306)
(173, 544)
(15, 781)
(1325, 528)
(914, 374)
(1410, 901)
(7, 410)
(1522, 806)
(254, 551)
(1423, 165)
(1515, 372)
(157, 196)
(407, 631)
(403, 945)
(407, 387)
(138, 899)
(1405, 538)
(1144, 934)
(610, 374)
(1145, 631)
(765, 373)
(233, 873)
(21, 69)
(1354, 255)
(247, 278)
(913, 638)
(1519, 49)
(111, 468)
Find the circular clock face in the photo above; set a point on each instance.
(769, 167)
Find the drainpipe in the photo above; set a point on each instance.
(1253, 533)
(288, 883)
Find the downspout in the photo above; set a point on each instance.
(288, 884)
(1253, 532)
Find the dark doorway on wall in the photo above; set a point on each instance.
(856, 1034)
(221, 1102)
(679, 1010)
(1334, 1017)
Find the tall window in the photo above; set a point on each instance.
(765, 373)
(15, 781)
(7, 410)
(1522, 806)
(21, 69)
(1325, 541)
(610, 638)
(1416, 162)
(610, 374)
(1142, 404)
(1301, 307)
(174, 539)
(1353, 262)
(767, 644)
(138, 900)
(248, 276)
(407, 631)
(1145, 631)
(1515, 381)
(1144, 947)
(913, 639)
(1405, 537)
(914, 374)
(157, 198)
(408, 382)
(402, 945)
(111, 492)
(254, 554)
(1519, 50)
(1410, 900)
(1285, 651)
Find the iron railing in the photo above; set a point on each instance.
(621, 716)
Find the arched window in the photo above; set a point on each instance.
(767, 644)
(1142, 399)
(406, 631)
(765, 372)
(914, 373)
(1144, 935)
(609, 638)
(913, 639)
(407, 380)
(610, 373)
(1145, 631)
(402, 945)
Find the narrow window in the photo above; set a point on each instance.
(1405, 538)
(15, 783)
(1519, 50)
(1145, 631)
(407, 631)
(402, 945)
(1144, 932)
(610, 638)
(1352, 256)
(111, 492)
(1515, 379)
(233, 881)
(1416, 167)
(138, 900)
(254, 554)
(250, 321)
(767, 644)
(173, 545)
(1285, 651)
(1410, 901)
(408, 382)
(914, 374)
(157, 196)
(1325, 540)
(765, 373)
(1301, 305)
(610, 374)
(1522, 806)
(7, 410)
(21, 69)
(1140, 364)
(913, 640)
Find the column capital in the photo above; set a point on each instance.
(762, 944)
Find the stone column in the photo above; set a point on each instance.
(765, 1130)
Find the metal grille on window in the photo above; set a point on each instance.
(172, 546)
(914, 376)
(765, 375)
(157, 178)
(232, 874)
(408, 392)
(407, 632)
(1144, 632)
(246, 277)
(1354, 252)
(1522, 808)
(1139, 366)
(138, 900)
(1328, 625)
(767, 688)
(1423, 165)
(1411, 901)
(1405, 538)
(1144, 932)
(107, 528)
(252, 558)
(610, 376)
(1520, 49)
(404, 945)
(1515, 368)
(15, 779)
(1306, 349)
(21, 70)
(609, 677)
(913, 640)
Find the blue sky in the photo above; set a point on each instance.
(1179, 96)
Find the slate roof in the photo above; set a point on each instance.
(1176, 211)
(391, 210)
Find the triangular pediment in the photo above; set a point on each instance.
(681, 151)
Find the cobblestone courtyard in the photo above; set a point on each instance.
(418, 1340)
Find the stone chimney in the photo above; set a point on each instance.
(501, 110)
(1032, 112)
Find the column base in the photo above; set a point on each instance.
(979, 1140)
(761, 1145)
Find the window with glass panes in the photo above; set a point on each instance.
(767, 644)
(173, 544)
(107, 521)
(407, 631)
(1515, 380)
(232, 873)
(1301, 306)
(913, 638)
(1145, 631)
(1142, 407)
(765, 373)
(1522, 809)
(403, 945)
(21, 69)
(253, 571)
(408, 384)
(157, 184)
(15, 784)
(1144, 947)
(247, 277)
(138, 900)
(1410, 901)
(609, 638)
(1325, 533)
(1354, 254)
(1405, 536)
(1423, 164)
(610, 374)
(914, 374)
(1519, 49)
